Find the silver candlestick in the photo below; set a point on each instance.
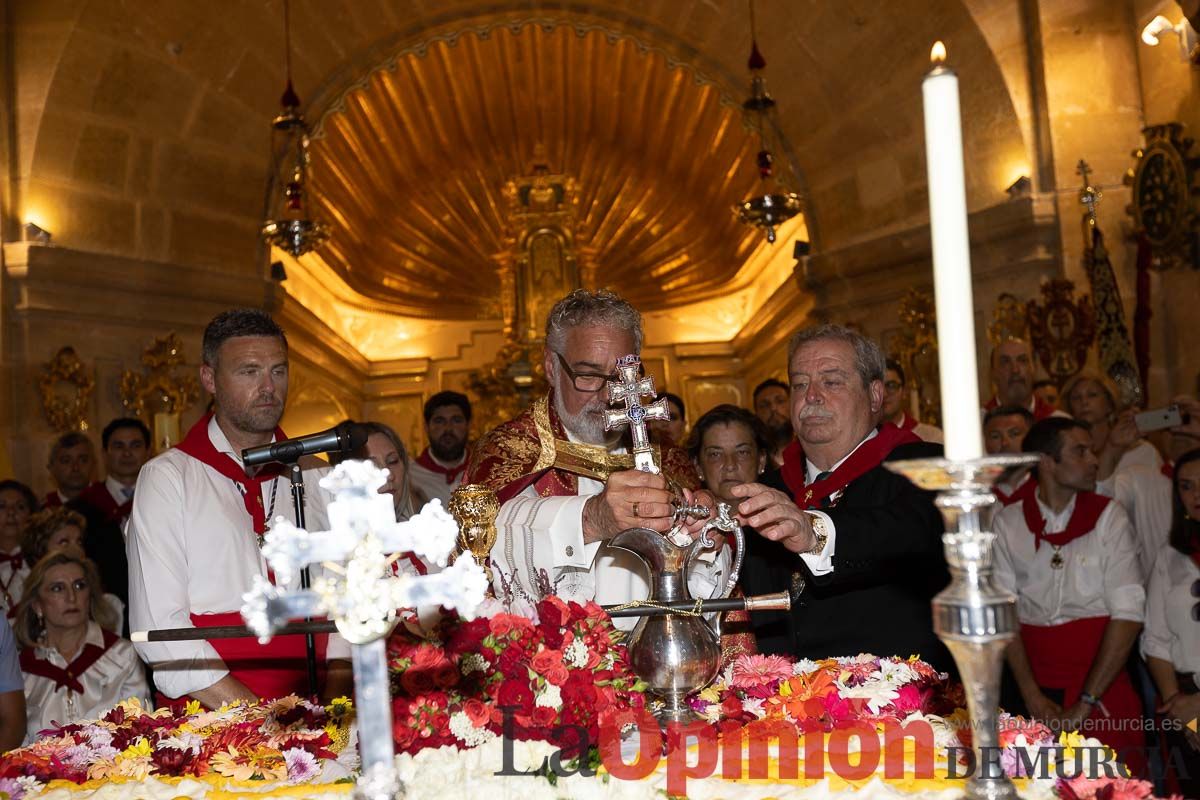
(975, 619)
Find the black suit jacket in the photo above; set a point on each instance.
(888, 564)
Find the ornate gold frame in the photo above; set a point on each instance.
(69, 413)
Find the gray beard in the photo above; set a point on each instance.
(585, 426)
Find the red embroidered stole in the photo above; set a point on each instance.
(504, 460)
(66, 677)
(451, 473)
(1088, 508)
(869, 455)
(197, 445)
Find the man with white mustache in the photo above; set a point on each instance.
(558, 510)
(858, 546)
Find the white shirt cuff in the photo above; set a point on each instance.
(563, 516)
(822, 563)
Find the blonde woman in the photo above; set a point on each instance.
(60, 528)
(74, 667)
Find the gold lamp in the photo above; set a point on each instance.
(775, 203)
(290, 227)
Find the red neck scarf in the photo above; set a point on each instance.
(1039, 409)
(1026, 488)
(197, 445)
(452, 473)
(66, 677)
(869, 455)
(907, 423)
(1088, 508)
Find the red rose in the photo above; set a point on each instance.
(516, 694)
(578, 690)
(512, 663)
(445, 675)
(427, 656)
(468, 636)
(558, 674)
(476, 711)
(552, 612)
(543, 717)
(545, 660)
(416, 682)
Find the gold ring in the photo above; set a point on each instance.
(635, 509)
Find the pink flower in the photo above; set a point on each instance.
(759, 671)
(301, 765)
(907, 700)
(1086, 788)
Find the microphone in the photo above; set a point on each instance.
(341, 437)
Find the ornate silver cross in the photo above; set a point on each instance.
(630, 389)
(359, 592)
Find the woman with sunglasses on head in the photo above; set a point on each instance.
(75, 668)
(1171, 640)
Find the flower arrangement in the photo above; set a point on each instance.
(288, 740)
(559, 676)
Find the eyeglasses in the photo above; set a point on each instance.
(1196, 593)
(586, 381)
(893, 386)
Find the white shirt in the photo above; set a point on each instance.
(192, 550)
(116, 489)
(1171, 633)
(430, 484)
(1099, 576)
(923, 431)
(1145, 494)
(117, 675)
(12, 579)
(822, 563)
(539, 535)
(1142, 454)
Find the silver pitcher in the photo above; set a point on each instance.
(677, 654)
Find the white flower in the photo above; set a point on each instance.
(466, 732)
(896, 672)
(877, 693)
(472, 662)
(712, 714)
(754, 705)
(184, 741)
(576, 654)
(609, 660)
(30, 784)
(804, 666)
(549, 697)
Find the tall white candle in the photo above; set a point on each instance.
(951, 261)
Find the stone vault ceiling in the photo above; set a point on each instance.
(410, 165)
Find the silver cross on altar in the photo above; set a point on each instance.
(630, 389)
(359, 592)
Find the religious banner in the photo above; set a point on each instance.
(1061, 329)
(1114, 342)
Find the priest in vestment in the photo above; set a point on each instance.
(858, 546)
(565, 489)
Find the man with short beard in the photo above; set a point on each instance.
(1012, 377)
(198, 520)
(438, 471)
(561, 502)
(771, 402)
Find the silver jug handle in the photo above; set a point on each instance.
(726, 523)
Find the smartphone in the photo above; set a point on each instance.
(1158, 419)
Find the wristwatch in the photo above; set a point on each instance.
(820, 533)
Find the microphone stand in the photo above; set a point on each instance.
(310, 643)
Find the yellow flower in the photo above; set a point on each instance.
(192, 707)
(711, 695)
(139, 749)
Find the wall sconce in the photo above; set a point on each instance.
(35, 234)
(1188, 51)
(1021, 187)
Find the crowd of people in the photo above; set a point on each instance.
(1099, 539)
